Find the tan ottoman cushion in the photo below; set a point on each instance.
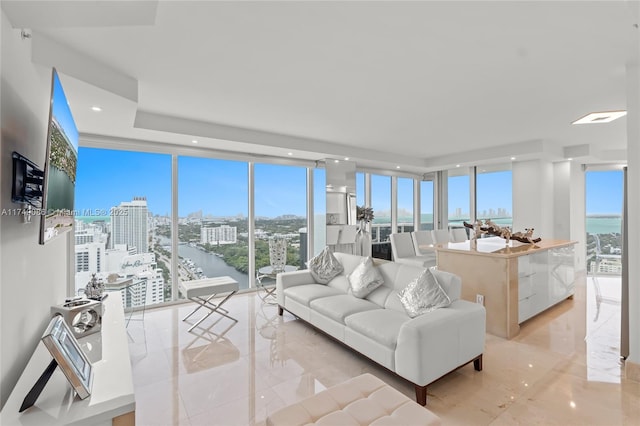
(363, 400)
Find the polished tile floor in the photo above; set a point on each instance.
(562, 369)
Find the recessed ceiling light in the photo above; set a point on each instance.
(457, 165)
(600, 117)
(336, 161)
(96, 108)
(194, 141)
(397, 167)
(513, 158)
(346, 158)
(289, 153)
(570, 159)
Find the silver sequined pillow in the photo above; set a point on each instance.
(423, 295)
(324, 267)
(365, 278)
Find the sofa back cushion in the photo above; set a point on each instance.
(349, 263)
(397, 276)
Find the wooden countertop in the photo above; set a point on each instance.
(496, 247)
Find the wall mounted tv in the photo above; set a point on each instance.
(60, 166)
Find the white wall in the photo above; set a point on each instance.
(562, 200)
(32, 277)
(533, 197)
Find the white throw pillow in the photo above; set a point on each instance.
(324, 267)
(365, 278)
(423, 295)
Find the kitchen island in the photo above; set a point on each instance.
(515, 281)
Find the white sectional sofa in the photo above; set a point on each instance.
(420, 349)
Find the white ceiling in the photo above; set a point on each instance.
(420, 84)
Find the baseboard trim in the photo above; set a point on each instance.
(632, 371)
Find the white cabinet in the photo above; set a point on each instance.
(544, 279)
(112, 399)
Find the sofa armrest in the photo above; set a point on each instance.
(285, 280)
(431, 345)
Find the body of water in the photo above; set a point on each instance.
(212, 266)
(604, 224)
(595, 224)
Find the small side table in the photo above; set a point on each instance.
(268, 272)
(197, 290)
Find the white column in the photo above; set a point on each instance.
(533, 197)
(577, 206)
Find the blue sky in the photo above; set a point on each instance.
(604, 192)
(219, 187)
(105, 178)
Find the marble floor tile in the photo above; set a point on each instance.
(562, 369)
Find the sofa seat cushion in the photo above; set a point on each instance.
(341, 306)
(380, 325)
(304, 294)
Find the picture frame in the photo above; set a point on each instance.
(65, 350)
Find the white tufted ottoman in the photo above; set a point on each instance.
(363, 400)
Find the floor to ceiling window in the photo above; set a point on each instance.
(122, 226)
(381, 204)
(494, 194)
(604, 203)
(405, 204)
(280, 199)
(426, 205)
(213, 219)
(458, 196)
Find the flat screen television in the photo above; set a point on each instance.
(60, 166)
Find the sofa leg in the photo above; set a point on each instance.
(421, 395)
(280, 310)
(477, 363)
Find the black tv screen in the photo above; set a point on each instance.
(60, 166)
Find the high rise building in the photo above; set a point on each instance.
(224, 234)
(129, 224)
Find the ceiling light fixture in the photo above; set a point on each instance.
(600, 117)
(513, 158)
(397, 167)
(289, 153)
(457, 165)
(346, 158)
(336, 161)
(194, 141)
(96, 108)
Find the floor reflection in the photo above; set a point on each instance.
(603, 328)
(563, 368)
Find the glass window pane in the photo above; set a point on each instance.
(213, 219)
(280, 210)
(426, 205)
(494, 196)
(381, 204)
(405, 204)
(123, 222)
(458, 195)
(604, 222)
(320, 210)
